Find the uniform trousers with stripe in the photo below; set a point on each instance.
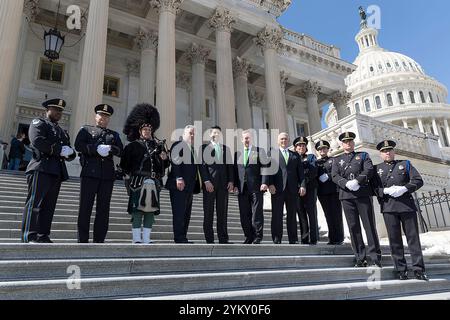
(43, 191)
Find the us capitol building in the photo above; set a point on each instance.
(222, 62)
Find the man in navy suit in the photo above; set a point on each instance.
(218, 176)
(183, 181)
(285, 187)
(251, 183)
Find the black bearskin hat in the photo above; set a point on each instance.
(141, 114)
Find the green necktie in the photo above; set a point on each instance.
(218, 154)
(246, 157)
(286, 156)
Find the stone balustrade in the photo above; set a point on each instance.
(307, 41)
(369, 132)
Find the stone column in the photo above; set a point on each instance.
(241, 68)
(222, 22)
(198, 55)
(447, 129)
(420, 123)
(10, 24)
(311, 91)
(147, 42)
(405, 123)
(436, 131)
(133, 85)
(166, 68)
(284, 77)
(269, 40)
(93, 67)
(340, 100)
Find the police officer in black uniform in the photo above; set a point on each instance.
(307, 204)
(352, 172)
(45, 173)
(394, 183)
(328, 194)
(97, 146)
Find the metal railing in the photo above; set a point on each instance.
(434, 210)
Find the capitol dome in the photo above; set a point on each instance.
(394, 88)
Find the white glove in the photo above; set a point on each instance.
(103, 150)
(353, 185)
(66, 151)
(324, 178)
(389, 191)
(399, 191)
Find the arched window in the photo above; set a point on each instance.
(438, 100)
(431, 97)
(389, 65)
(367, 104)
(422, 97)
(389, 99)
(411, 96)
(397, 64)
(371, 69)
(400, 98)
(357, 108)
(378, 102)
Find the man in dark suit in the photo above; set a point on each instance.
(394, 183)
(97, 147)
(352, 172)
(183, 181)
(217, 174)
(307, 204)
(328, 194)
(285, 188)
(251, 182)
(45, 173)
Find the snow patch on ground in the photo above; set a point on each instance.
(433, 243)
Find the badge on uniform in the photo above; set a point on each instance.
(342, 162)
(380, 172)
(330, 162)
(358, 158)
(401, 168)
(36, 122)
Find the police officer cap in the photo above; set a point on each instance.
(347, 136)
(104, 109)
(386, 145)
(55, 103)
(300, 140)
(322, 144)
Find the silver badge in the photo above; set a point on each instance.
(380, 172)
(36, 122)
(330, 162)
(342, 162)
(401, 167)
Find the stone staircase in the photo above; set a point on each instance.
(163, 270)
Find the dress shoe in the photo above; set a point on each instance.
(210, 242)
(45, 239)
(225, 242)
(276, 240)
(361, 264)
(376, 264)
(420, 275)
(305, 242)
(313, 244)
(293, 242)
(403, 275)
(257, 241)
(248, 241)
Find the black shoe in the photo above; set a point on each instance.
(361, 264)
(257, 241)
(420, 275)
(210, 242)
(402, 275)
(276, 240)
(248, 241)
(45, 239)
(183, 241)
(305, 242)
(225, 242)
(313, 244)
(293, 242)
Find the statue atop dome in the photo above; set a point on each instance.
(363, 15)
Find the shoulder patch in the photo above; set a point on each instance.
(36, 122)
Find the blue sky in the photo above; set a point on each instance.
(417, 28)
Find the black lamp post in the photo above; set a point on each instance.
(54, 40)
(53, 44)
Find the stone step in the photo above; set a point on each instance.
(330, 291)
(158, 285)
(121, 251)
(430, 296)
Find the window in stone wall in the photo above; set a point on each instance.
(401, 98)
(378, 102)
(208, 108)
(367, 104)
(111, 86)
(389, 99)
(301, 129)
(444, 137)
(422, 97)
(411, 96)
(431, 97)
(357, 108)
(51, 71)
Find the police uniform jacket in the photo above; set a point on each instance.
(310, 169)
(350, 166)
(324, 166)
(47, 139)
(398, 173)
(94, 165)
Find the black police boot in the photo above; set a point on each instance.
(403, 275)
(361, 264)
(420, 275)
